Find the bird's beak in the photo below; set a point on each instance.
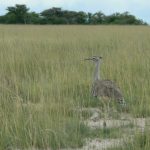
(88, 59)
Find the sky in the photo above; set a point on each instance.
(139, 8)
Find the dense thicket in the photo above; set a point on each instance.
(19, 14)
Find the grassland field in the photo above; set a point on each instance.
(43, 78)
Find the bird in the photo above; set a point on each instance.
(105, 88)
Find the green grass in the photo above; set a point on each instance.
(43, 78)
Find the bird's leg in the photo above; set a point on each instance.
(104, 124)
(108, 108)
(106, 112)
(105, 116)
(104, 121)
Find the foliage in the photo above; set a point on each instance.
(124, 18)
(19, 14)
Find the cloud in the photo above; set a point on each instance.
(140, 8)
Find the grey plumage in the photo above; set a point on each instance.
(105, 88)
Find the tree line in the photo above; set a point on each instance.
(20, 14)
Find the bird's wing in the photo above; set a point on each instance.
(111, 89)
(107, 88)
(109, 84)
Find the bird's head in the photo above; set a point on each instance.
(94, 58)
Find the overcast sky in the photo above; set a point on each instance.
(139, 8)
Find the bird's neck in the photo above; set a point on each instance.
(97, 71)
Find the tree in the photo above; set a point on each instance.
(98, 18)
(123, 18)
(81, 17)
(89, 18)
(19, 13)
(52, 15)
(71, 16)
(58, 16)
(2, 19)
(33, 18)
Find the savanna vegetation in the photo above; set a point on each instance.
(20, 14)
(43, 78)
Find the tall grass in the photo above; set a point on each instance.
(43, 77)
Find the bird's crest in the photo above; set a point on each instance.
(94, 58)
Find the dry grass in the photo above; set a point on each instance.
(43, 77)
